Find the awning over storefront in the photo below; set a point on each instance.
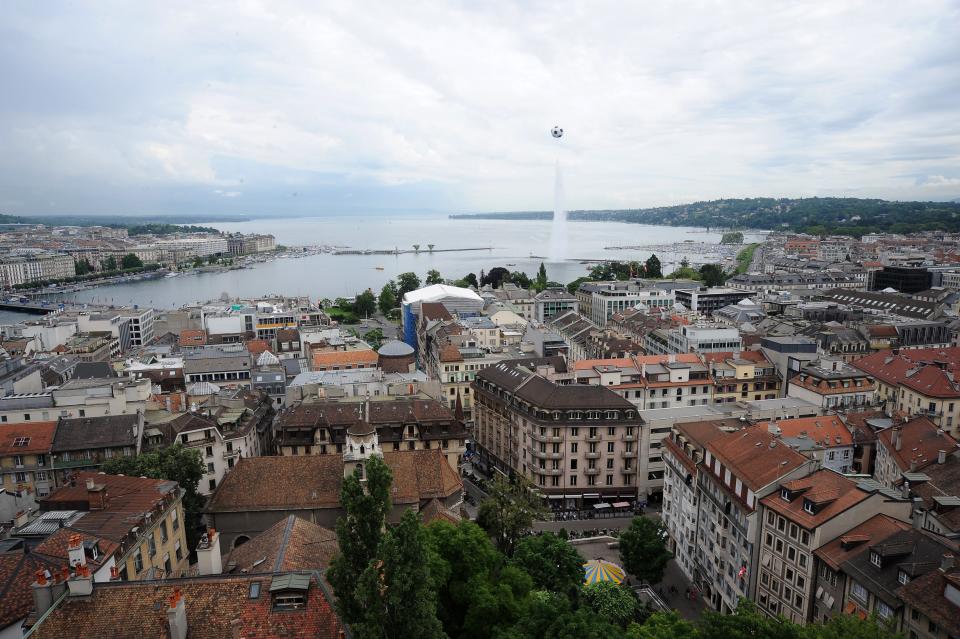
(601, 506)
(556, 497)
(621, 504)
(573, 496)
(591, 495)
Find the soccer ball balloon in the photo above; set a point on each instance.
(556, 132)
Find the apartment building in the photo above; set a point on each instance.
(598, 301)
(703, 337)
(130, 527)
(399, 423)
(918, 382)
(35, 267)
(86, 443)
(831, 581)
(683, 450)
(227, 365)
(824, 439)
(834, 384)
(25, 460)
(805, 514)
(742, 376)
(911, 447)
(577, 444)
(932, 602)
(651, 381)
(198, 246)
(738, 470)
(108, 322)
(141, 325)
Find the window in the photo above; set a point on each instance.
(573, 480)
(573, 447)
(573, 464)
(858, 591)
(212, 484)
(808, 507)
(137, 561)
(875, 559)
(610, 447)
(210, 467)
(20, 477)
(40, 475)
(209, 451)
(903, 577)
(21, 442)
(176, 520)
(254, 592)
(883, 610)
(152, 545)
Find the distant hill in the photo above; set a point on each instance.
(817, 216)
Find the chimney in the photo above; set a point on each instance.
(60, 583)
(941, 457)
(946, 562)
(77, 556)
(96, 495)
(209, 560)
(177, 616)
(81, 584)
(21, 519)
(905, 490)
(169, 404)
(897, 440)
(42, 593)
(114, 573)
(90, 484)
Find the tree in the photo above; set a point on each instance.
(653, 268)
(663, 625)
(365, 304)
(174, 463)
(395, 591)
(471, 280)
(434, 277)
(611, 601)
(746, 622)
(109, 264)
(198, 261)
(551, 562)
(359, 532)
(130, 261)
(83, 266)
(388, 297)
(509, 511)
(521, 279)
(541, 281)
(734, 237)
(643, 550)
(713, 274)
(495, 277)
(374, 338)
(212, 258)
(853, 627)
(573, 286)
(406, 282)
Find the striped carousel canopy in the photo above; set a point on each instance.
(597, 570)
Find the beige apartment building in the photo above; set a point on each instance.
(578, 444)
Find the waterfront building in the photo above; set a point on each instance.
(194, 246)
(462, 302)
(706, 300)
(552, 302)
(598, 301)
(33, 266)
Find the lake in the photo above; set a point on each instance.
(511, 244)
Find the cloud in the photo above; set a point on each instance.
(936, 181)
(120, 107)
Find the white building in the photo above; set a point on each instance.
(704, 338)
(195, 246)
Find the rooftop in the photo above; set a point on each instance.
(28, 438)
(290, 544)
(755, 457)
(826, 492)
(920, 443)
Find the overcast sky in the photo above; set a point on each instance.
(286, 107)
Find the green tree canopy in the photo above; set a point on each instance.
(406, 282)
(643, 549)
(509, 511)
(365, 304)
(388, 297)
(471, 280)
(109, 264)
(521, 279)
(713, 274)
(541, 281)
(495, 277)
(551, 562)
(652, 267)
(733, 237)
(174, 463)
(614, 602)
(83, 266)
(434, 277)
(663, 625)
(395, 591)
(359, 532)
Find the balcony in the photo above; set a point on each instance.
(628, 470)
(591, 471)
(629, 438)
(628, 454)
(227, 454)
(553, 472)
(545, 439)
(592, 455)
(541, 455)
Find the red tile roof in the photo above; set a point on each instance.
(34, 437)
(217, 607)
(257, 346)
(749, 456)
(831, 492)
(922, 365)
(16, 575)
(193, 337)
(290, 544)
(828, 430)
(54, 548)
(921, 441)
(927, 594)
(856, 540)
(365, 358)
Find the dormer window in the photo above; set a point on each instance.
(808, 507)
(903, 577)
(785, 494)
(289, 592)
(557, 415)
(875, 559)
(611, 414)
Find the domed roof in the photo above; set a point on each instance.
(203, 388)
(267, 359)
(395, 348)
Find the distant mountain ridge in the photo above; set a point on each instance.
(817, 216)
